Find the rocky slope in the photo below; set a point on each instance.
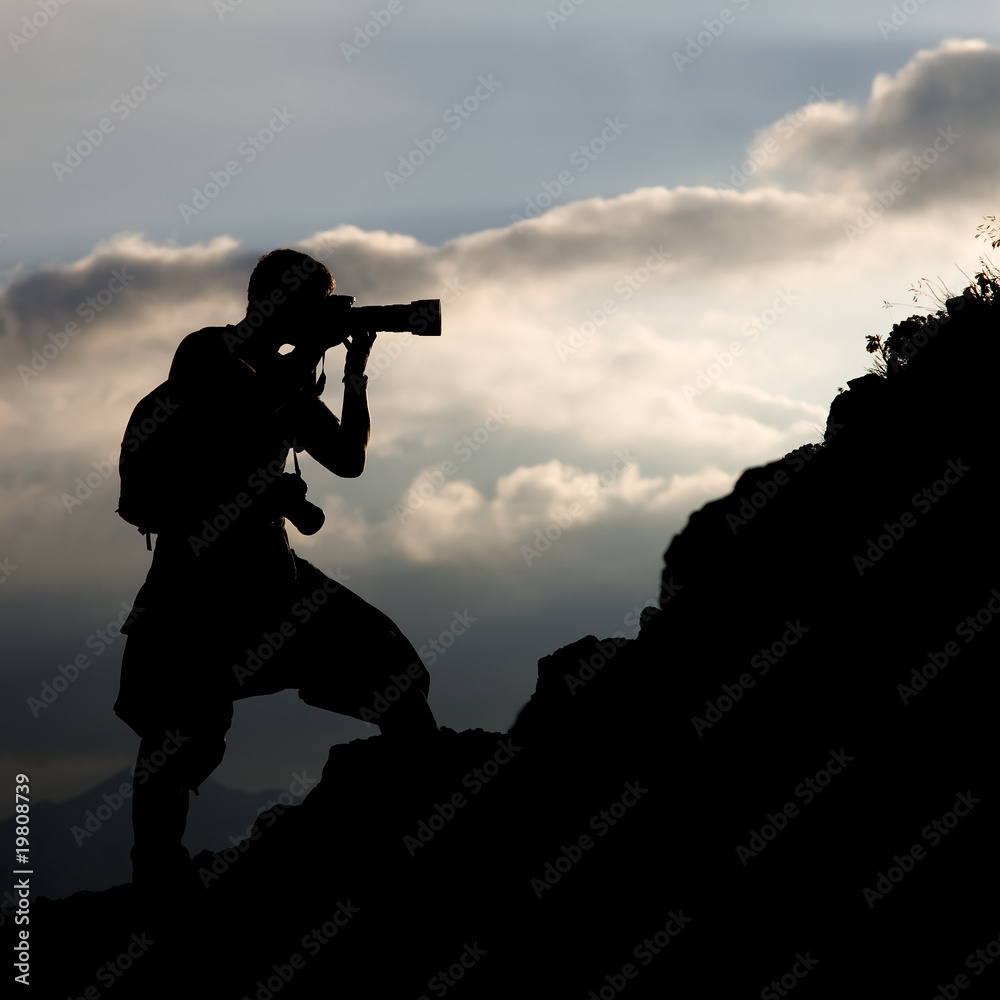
(787, 782)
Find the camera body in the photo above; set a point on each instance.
(421, 317)
(288, 495)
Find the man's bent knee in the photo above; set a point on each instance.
(199, 757)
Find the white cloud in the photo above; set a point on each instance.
(932, 126)
(439, 519)
(583, 326)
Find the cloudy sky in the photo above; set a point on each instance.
(661, 234)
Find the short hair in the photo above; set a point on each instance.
(276, 271)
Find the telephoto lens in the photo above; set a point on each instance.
(421, 317)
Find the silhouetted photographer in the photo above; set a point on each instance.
(228, 610)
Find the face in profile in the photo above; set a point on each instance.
(311, 316)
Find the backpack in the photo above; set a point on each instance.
(155, 465)
(150, 462)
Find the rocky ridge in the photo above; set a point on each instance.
(787, 781)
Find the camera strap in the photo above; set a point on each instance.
(321, 381)
(320, 386)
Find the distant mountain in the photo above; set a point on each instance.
(786, 782)
(84, 843)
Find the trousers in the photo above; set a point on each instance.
(178, 689)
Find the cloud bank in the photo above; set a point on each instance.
(605, 369)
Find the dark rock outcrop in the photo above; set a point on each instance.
(789, 777)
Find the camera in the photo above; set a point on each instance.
(288, 494)
(422, 317)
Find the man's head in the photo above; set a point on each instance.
(285, 290)
(296, 276)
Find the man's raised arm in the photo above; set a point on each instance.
(341, 446)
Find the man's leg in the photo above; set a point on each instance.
(352, 659)
(182, 728)
(159, 815)
(171, 764)
(408, 716)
